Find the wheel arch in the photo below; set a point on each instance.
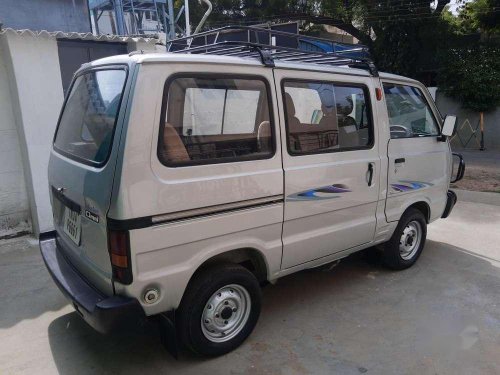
(423, 207)
(250, 258)
(176, 280)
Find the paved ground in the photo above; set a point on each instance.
(440, 317)
(482, 171)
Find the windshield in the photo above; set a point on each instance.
(87, 124)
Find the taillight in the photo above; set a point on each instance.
(119, 252)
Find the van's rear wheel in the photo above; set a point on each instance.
(219, 309)
(407, 241)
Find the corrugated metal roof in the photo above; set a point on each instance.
(78, 36)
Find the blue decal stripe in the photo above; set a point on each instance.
(403, 186)
(331, 190)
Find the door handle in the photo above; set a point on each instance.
(400, 160)
(370, 173)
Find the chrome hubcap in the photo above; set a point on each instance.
(410, 240)
(226, 313)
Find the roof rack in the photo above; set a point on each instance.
(269, 45)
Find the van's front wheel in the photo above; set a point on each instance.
(219, 309)
(407, 241)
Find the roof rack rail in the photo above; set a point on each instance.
(270, 45)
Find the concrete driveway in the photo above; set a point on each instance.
(440, 317)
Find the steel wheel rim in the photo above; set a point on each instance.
(226, 313)
(409, 242)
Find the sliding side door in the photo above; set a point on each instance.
(331, 163)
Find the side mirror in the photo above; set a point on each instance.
(449, 126)
(458, 167)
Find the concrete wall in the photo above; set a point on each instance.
(14, 206)
(450, 106)
(36, 94)
(31, 96)
(50, 15)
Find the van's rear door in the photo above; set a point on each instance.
(81, 169)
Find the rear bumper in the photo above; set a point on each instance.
(101, 312)
(450, 203)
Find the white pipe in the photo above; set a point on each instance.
(186, 15)
(205, 16)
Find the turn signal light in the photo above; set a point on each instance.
(119, 252)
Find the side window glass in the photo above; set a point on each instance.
(409, 113)
(352, 115)
(213, 120)
(203, 111)
(240, 114)
(325, 117)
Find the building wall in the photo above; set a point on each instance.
(467, 122)
(50, 15)
(334, 33)
(36, 95)
(14, 206)
(31, 95)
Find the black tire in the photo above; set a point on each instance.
(391, 255)
(196, 297)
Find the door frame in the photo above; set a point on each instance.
(281, 74)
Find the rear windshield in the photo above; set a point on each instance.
(87, 124)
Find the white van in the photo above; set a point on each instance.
(183, 182)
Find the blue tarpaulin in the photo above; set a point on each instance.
(353, 51)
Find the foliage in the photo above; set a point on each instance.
(483, 15)
(392, 29)
(472, 75)
(470, 71)
(479, 16)
(404, 36)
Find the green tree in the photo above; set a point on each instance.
(482, 15)
(471, 71)
(472, 76)
(402, 35)
(478, 16)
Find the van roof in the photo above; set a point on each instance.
(168, 57)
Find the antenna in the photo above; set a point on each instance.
(205, 16)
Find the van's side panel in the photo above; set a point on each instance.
(317, 227)
(384, 229)
(424, 173)
(147, 187)
(166, 255)
(425, 168)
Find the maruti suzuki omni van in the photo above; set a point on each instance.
(182, 182)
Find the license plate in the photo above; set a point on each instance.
(72, 224)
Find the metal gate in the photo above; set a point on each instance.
(74, 53)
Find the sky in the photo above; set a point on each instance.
(455, 4)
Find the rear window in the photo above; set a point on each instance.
(87, 124)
